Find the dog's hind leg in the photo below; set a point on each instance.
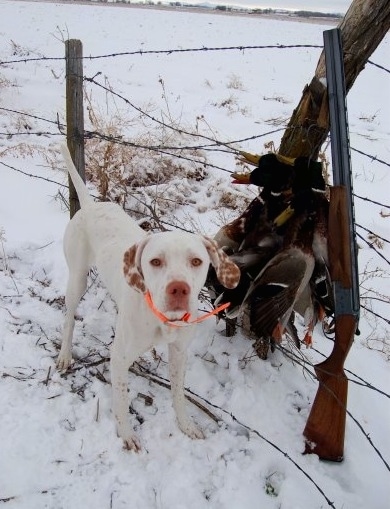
(76, 252)
(76, 288)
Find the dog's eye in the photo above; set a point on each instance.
(196, 262)
(156, 262)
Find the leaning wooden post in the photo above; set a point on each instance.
(75, 114)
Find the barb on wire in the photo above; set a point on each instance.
(371, 201)
(373, 158)
(373, 233)
(30, 133)
(30, 115)
(371, 245)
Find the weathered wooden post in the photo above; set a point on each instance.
(75, 114)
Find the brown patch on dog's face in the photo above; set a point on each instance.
(132, 274)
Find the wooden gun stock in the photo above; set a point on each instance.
(325, 427)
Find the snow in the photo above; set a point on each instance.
(58, 443)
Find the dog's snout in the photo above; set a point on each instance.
(177, 295)
(178, 288)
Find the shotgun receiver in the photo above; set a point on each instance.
(325, 427)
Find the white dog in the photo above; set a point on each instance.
(155, 281)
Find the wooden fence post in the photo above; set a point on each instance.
(75, 114)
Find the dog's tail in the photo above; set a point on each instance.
(81, 189)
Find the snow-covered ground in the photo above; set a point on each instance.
(58, 446)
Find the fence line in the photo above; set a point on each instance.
(172, 51)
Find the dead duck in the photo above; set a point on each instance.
(251, 240)
(282, 275)
(274, 292)
(315, 301)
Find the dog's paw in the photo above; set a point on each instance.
(190, 429)
(131, 443)
(64, 361)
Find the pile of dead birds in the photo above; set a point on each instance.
(280, 245)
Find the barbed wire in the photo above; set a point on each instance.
(372, 246)
(373, 158)
(145, 114)
(36, 117)
(173, 51)
(163, 149)
(303, 362)
(208, 147)
(368, 310)
(362, 382)
(33, 176)
(373, 233)
(212, 141)
(30, 133)
(379, 66)
(364, 198)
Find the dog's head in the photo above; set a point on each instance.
(173, 266)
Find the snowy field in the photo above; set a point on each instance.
(58, 446)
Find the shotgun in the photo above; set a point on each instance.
(325, 427)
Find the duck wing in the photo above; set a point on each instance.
(272, 295)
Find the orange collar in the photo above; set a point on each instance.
(185, 318)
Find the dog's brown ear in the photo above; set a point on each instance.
(132, 269)
(228, 273)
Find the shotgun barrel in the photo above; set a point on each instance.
(325, 427)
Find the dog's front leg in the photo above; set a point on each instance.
(120, 399)
(177, 365)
